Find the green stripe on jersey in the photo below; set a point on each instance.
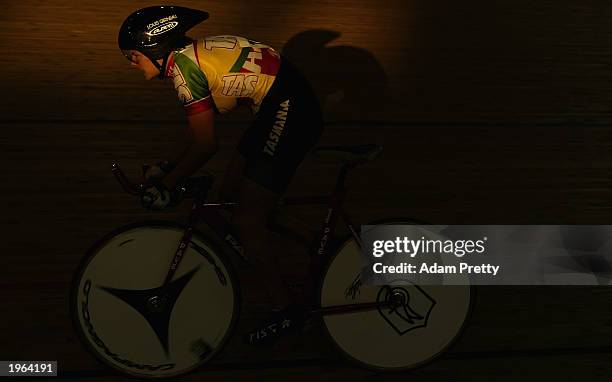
(240, 61)
(194, 77)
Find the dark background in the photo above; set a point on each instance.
(489, 112)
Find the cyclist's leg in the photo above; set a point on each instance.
(250, 220)
(232, 179)
(284, 130)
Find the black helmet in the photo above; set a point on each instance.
(155, 31)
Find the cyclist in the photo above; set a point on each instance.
(214, 75)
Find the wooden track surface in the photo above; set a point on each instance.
(492, 113)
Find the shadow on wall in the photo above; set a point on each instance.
(348, 80)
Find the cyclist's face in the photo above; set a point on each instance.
(142, 62)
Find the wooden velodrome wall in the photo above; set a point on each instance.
(490, 112)
(440, 61)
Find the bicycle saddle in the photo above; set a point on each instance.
(356, 154)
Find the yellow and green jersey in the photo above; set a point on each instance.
(222, 71)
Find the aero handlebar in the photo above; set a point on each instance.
(129, 187)
(195, 187)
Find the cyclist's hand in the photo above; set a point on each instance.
(157, 171)
(155, 197)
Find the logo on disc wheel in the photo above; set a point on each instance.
(405, 307)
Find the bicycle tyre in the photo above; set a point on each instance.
(328, 293)
(178, 343)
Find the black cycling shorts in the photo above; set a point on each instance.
(286, 127)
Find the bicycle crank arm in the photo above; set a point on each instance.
(349, 308)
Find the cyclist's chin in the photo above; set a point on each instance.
(149, 75)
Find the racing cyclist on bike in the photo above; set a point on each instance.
(214, 75)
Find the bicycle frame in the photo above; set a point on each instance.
(208, 212)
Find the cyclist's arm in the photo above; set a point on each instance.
(204, 144)
(181, 146)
